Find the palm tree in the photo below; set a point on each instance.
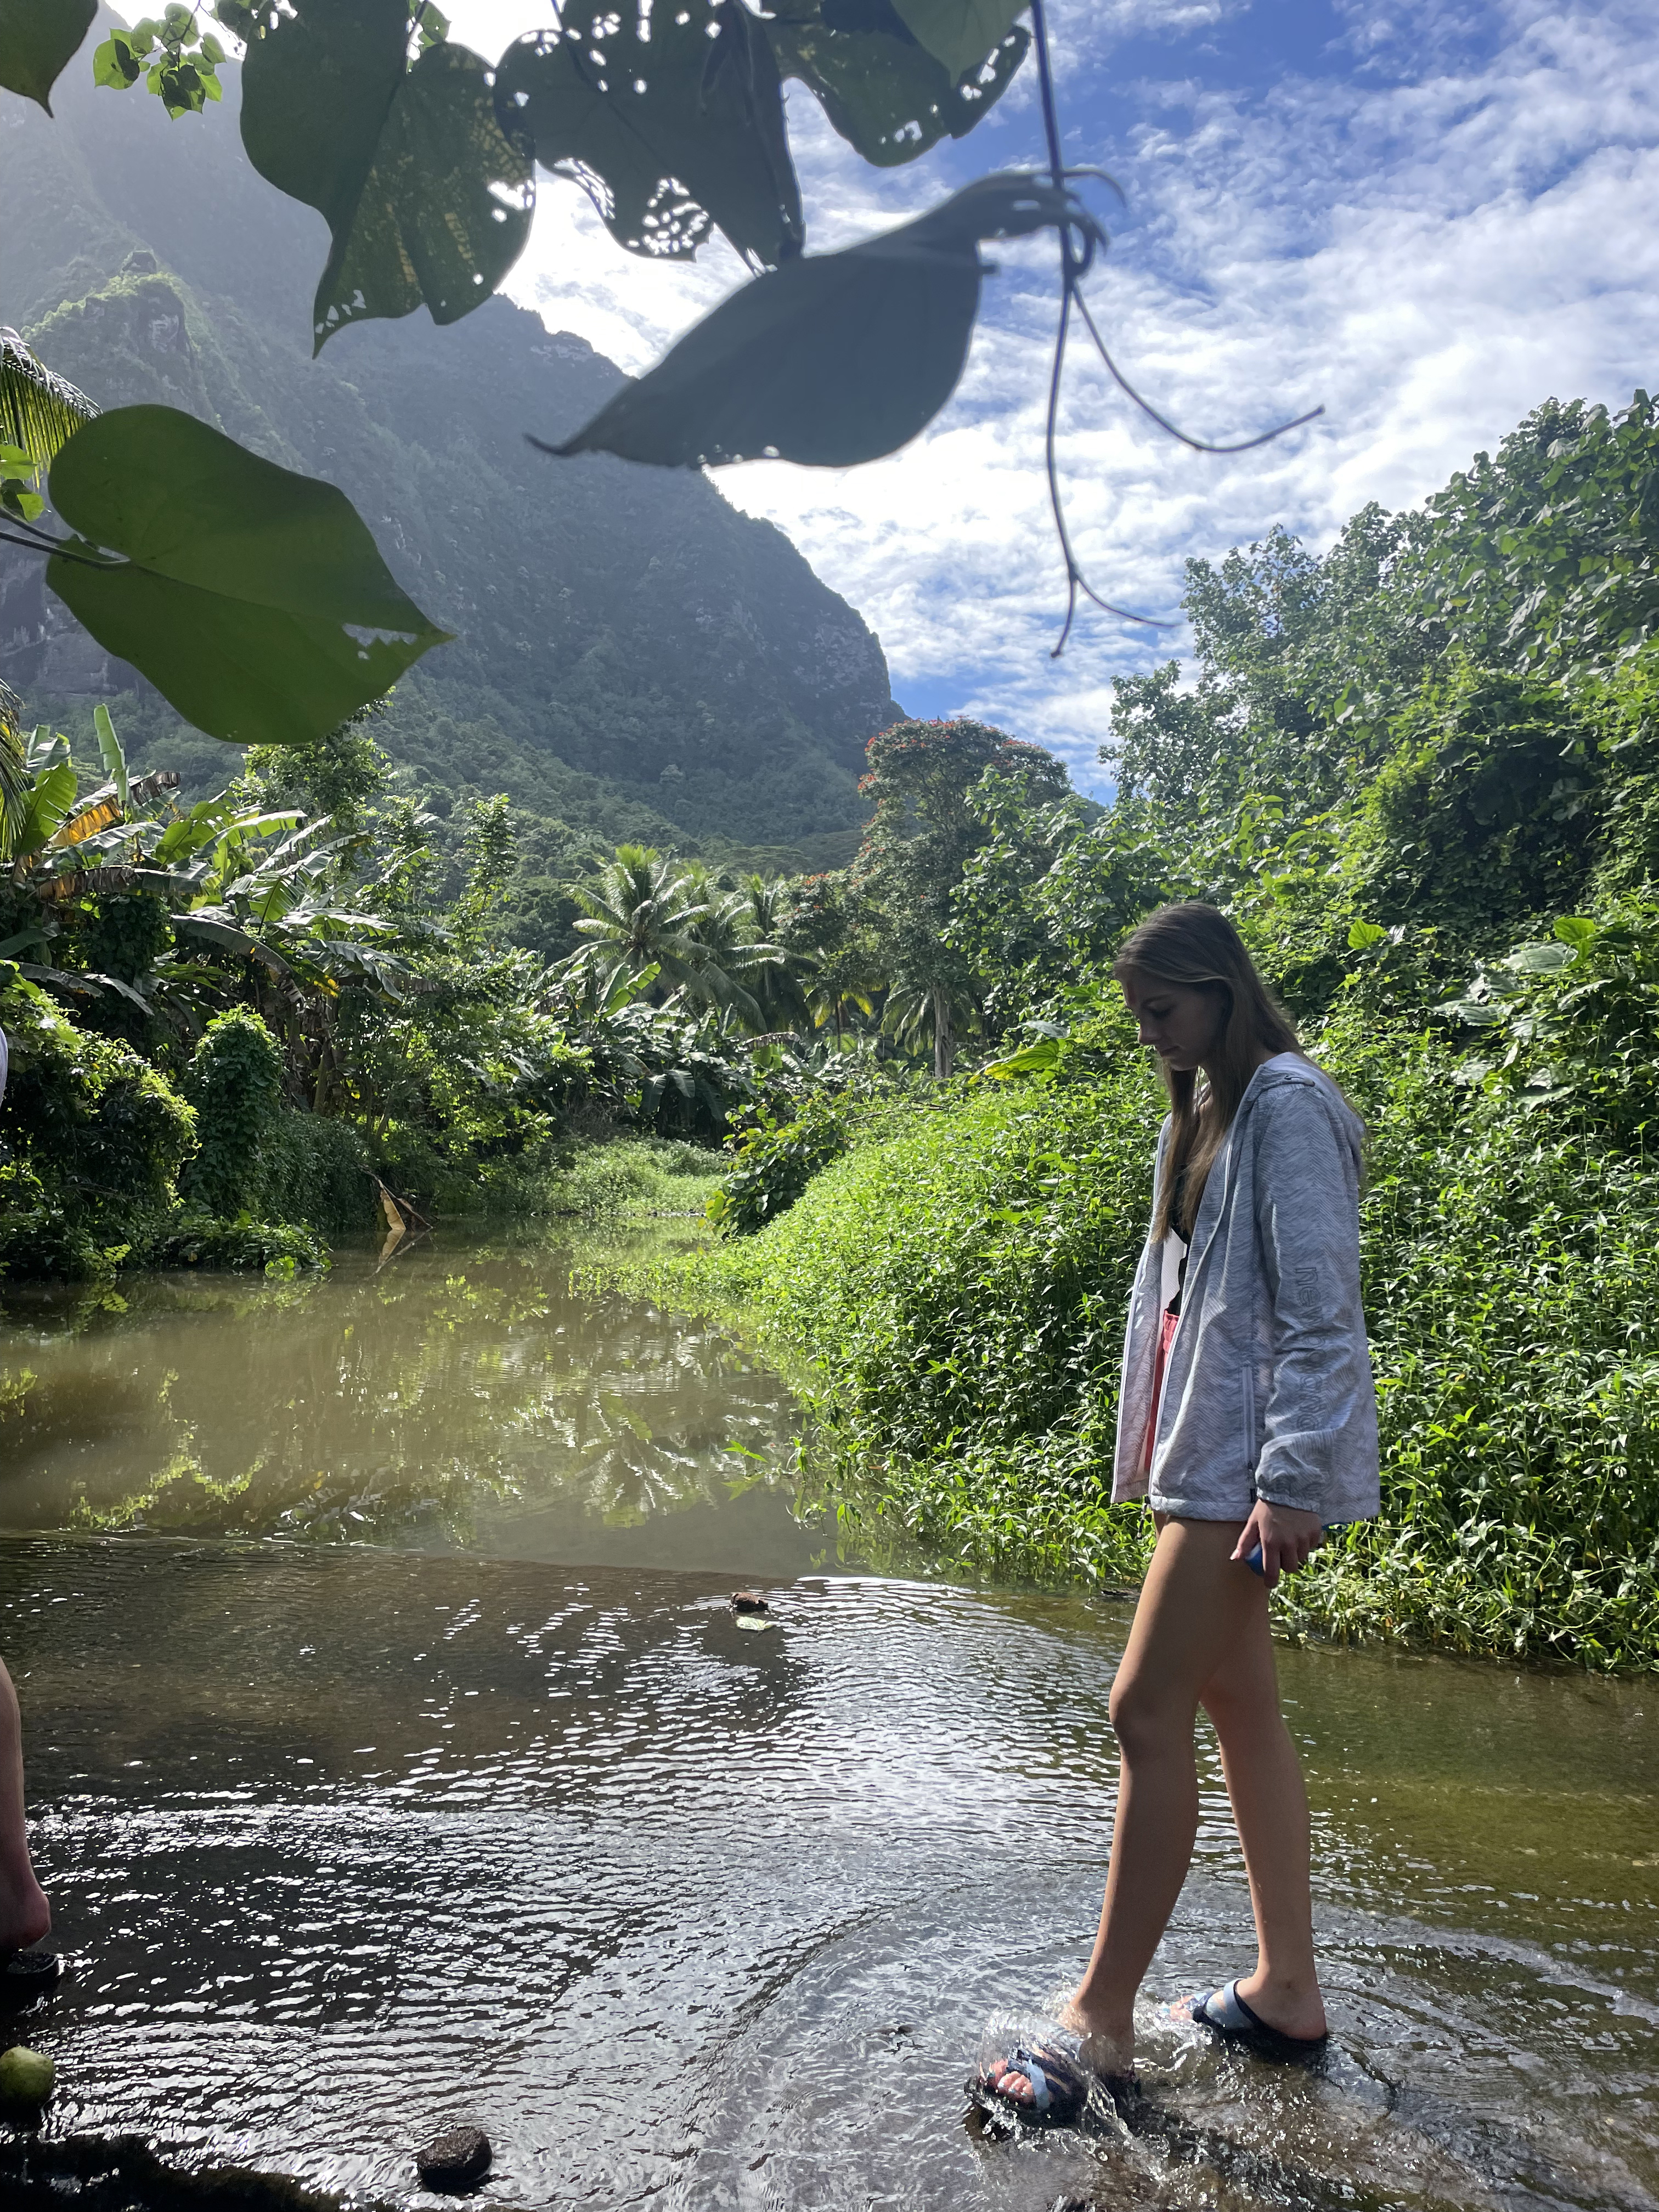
(840, 987)
(645, 909)
(39, 412)
(777, 968)
(932, 1008)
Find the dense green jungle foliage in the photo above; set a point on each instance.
(1422, 773)
(295, 1009)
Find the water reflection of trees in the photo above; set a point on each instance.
(373, 1404)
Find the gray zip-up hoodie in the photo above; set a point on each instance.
(1268, 1391)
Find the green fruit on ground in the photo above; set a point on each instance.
(26, 2076)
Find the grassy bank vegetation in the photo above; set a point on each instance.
(1426, 789)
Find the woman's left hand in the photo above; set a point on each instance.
(1287, 1539)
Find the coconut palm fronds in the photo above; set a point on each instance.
(16, 782)
(39, 411)
(11, 715)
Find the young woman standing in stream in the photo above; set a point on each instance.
(1248, 1419)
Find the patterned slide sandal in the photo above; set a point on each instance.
(1231, 2020)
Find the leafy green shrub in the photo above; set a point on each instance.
(234, 1082)
(96, 1138)
(43, 1240)
(1511, 1296)
(958, 1279)
(316, 1170)
(773, 1161)
(1487, 810)
(1567, 1027)
(196, 1238)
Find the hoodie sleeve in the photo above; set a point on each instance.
(1307, 1213)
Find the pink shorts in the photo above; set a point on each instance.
(1165, 1339)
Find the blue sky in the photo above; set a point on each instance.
(1426, 218)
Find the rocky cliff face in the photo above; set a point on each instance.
(619, 628)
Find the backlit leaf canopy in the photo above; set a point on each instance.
(37, 39)
(427, 197)
(254, 599)
(958, 33)
(672, 122)
(887, 95)
(831, 360)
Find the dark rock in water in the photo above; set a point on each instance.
(456, 2161)
(749, 1602)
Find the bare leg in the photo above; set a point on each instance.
(1270, 1804)
(25, 1914)
(1200, 1634)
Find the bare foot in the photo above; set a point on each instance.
(1108, 2045)
(1008, 2082)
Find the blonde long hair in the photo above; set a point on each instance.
(1196, 947)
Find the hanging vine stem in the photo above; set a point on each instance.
(41, 541)
(1075, 261)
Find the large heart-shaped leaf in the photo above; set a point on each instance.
(672, 121)
(885, 93)
(254, 599)
(37, 39)
(428, 197)
(959, 33)
(831, 360)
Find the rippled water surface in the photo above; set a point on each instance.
(352, 1839)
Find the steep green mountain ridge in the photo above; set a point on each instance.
(632, 655)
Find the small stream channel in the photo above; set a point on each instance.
(398, 1759)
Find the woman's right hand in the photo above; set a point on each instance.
(1288, 1539)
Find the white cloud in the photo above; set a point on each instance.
(1428, 258)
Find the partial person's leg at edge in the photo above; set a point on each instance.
(25, 1914)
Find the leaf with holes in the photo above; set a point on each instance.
(959, 33)
(428, 199)
(254, 599)
(38, 38)
(831, 360)
(884, 92)
(673, 124)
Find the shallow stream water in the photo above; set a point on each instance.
(398, 1759)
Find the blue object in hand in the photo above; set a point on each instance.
(1253, 1556)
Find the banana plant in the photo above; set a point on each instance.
(52, 837)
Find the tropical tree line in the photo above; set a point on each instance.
(865, 953)
(243, 1026)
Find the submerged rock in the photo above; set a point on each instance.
(455, 2160)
